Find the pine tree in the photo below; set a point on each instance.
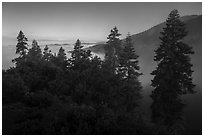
(61, 54)
(80, 58)
(112, 49)
(61, 59)
(21, 48)
(35, 52)
(129, 70)
(78, 51)
(47, 53)
(172, 77)
(129, 60)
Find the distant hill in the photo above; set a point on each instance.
(146, 42)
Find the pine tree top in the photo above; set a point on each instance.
(114, 35)
(61, 52)
(78, 45)
(21, 37)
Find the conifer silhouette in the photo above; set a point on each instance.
(172, 77)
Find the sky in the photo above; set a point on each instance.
(89, 22)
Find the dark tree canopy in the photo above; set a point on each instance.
(172, 77)
(53, 94)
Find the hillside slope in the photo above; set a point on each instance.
(146, 42)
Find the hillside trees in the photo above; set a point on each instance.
(124, 88)
(76, 95)
(172, 77)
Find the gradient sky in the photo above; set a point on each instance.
(86, 21)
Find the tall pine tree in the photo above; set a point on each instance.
(21, 48)
(78, 51)
(112, 50)
(172, 77)
(129, 70)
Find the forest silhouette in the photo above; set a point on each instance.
(48, 94)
